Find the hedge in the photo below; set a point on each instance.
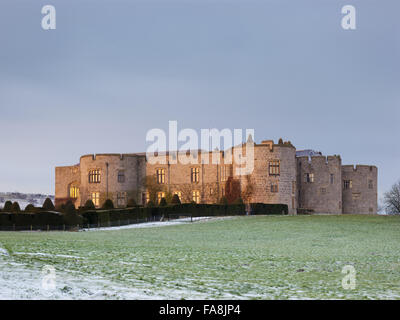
(115, 217)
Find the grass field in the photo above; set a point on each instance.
(256, 257)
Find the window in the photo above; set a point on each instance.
(94, 176)
(73, 192)
(225, 173)
(274, 187)
(323, 191)
(160, 195)
(370, 184)
(196, 196)
(194, 174)
(96, 198)
(347, 184)
(332, 178)
(293, 187)
(145, 197)
(121, 199)
(160, 176)
(179, 194)
(121, 176)
(274, 168)
(309, 177)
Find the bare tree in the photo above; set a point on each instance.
(248, 190)
(392, 199)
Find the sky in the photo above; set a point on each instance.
(113, 70)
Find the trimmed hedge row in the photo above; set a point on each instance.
(41, 218)
(133, 215)
(263, 208)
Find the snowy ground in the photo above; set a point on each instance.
(18, 281)
(253, 257)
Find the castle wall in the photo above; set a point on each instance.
(178, 178)
(324, 193)
(362, 196)
(285, 181)
(132, 166)
(65, 176)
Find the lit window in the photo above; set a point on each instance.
(274, 168)
(347, 184)
(96, 198)
(145, 197)
(194, 174)
(121, 176)
(179, 194)
(160, 195)
(94, 176)
(73, 192)
(160, 176)
(309, 177)
(196, 196)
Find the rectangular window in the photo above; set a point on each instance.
(293, 187)
(274, 187)
(145, 198)
(121, 176)
(274, 168)
(179, 194)
(309, 177)
(194, 175)
(160, 176)
(96, 198)
(323, 190)
(332, 178)
(160, 195)
(370, 184)
(196, 196)
(73, 192)
(347, 184)
(121, 199)
(94, 176)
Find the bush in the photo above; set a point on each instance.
(108, 204)
(223, 200)
(150, 204)
(15, 207)
(7, 206)
(131, 203)
(89, 205)
(263, 208)
(30, 208)
(48, 205)
(239, 201)
(163, 202)
(175, 199)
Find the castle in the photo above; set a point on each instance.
(304, 180)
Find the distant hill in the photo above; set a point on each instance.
(24, 199)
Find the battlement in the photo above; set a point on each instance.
(359, 168)
(319, 159)
(100, 156)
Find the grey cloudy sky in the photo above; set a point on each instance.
(112, 70)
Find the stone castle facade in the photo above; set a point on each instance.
(301, 179)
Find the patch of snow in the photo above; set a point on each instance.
(156, 224)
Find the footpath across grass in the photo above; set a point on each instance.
(251, 257)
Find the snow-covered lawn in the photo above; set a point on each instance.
(263, 257)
